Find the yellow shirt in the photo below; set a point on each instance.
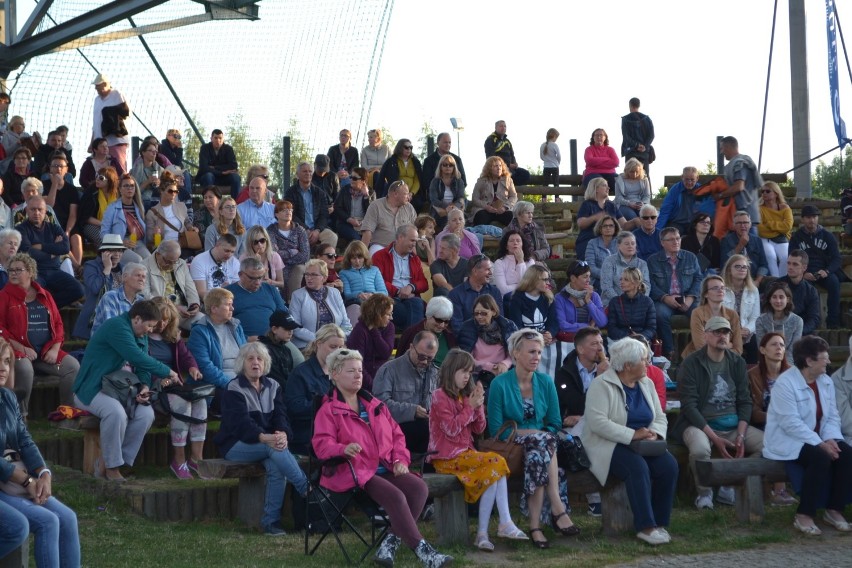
(408, 175)
(774, 222)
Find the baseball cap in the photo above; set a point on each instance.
(716, 323)
(280, 318)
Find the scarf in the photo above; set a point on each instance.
(491, 334)
(576, 294)
(324, 314)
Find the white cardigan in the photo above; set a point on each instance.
(606, 416)
(791, 418)
(749, 307)
(304, 310)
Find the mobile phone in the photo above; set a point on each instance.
(678, 299)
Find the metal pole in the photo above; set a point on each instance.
(799, 98)
(285, 165)
(720, 158)
(572, 145)
(430, 145)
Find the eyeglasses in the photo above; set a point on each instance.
(648, 217)
(740, 267)
(16, 270)
(716, 289)
(229, 208)
(355, 177)
(480, 314)
(422, 357)
(742, 222)
(766, 191)
(721, 332)
(260, 241)
(313, 275)
(440, 321)
(172, 191)
(671, 239)
(689, 180)
(101, 177)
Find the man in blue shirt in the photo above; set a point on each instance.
(257, 210)
(647, 235)
(742, 241)
(310, 207)
(254, 299)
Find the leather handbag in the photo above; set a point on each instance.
(190, 240)
(571, 454)
(10, 487)
(649, 448)
(513, 453)
(123, 386)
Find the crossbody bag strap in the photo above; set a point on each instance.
(166, 221)
(624, 315)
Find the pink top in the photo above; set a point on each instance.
(659, 380)
(275, 266)
(486, 356)
(469, 243)
(452, 425)
(600, 160)
(508, 273)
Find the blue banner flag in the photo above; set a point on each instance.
(831, 32)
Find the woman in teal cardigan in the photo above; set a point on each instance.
(529, 398)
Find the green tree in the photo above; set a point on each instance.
(299, 152)
(238, 135)
(387, 138)
(426, 131)
(709, 169)
(829, 179)
(191, 143)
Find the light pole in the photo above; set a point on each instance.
(458, 127)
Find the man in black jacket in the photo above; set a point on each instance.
(805, 296)
(343, 158)
(498, 144)
(637, 134)
(430, 164)
(217, 164)
(579, 369)
(351, 205)
(310, 207)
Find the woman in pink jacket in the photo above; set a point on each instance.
(601, 159)
(457, 413)
(354, 424)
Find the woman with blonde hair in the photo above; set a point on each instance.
(712, 305)
(259, 246)
(632, 312)
(309, 380)
(469, 242)
(494, 194)
(126, 217)
(603, 245)
(595, 207)
(166, 345)
(457, 415)
(775, 228)
(229, 221)
(446, 190)
(741, 295)
(632, 189)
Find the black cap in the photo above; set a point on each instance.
(321, 163)
(280, 318)
(810, 211)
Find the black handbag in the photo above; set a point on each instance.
(649, 448)
(571, 454)
(189, 391)
(123, 386)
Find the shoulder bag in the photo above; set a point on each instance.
(123, 386)
(571, 454)
(513, 453)
(10, 487)
(190, 240)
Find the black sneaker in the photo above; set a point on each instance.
(273, 529)
(595, 510)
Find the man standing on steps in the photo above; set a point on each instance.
(111, 110)
(637, 135)
(715, 407)
(498, 144)
(744, 181)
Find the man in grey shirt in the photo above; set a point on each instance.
(449, 269)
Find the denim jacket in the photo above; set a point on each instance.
(688, 274)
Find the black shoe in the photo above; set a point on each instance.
(573, 530)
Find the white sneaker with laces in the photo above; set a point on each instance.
(704, 502)
(654, 538)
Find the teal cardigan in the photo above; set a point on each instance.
(504, 403)
(113, 344)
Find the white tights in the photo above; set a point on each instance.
(498, 492)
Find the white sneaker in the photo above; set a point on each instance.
(655, 537)
(704, 502)
(726, 495)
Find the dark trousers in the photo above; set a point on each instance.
(407, 312)
(215, 179)
(832, 286)
(610, 180)
(64, 288)
(551, 176)
(483, 217)
(520, 176)
(347, 231)
(402, 497)
(821, 472)
(650, 484)
(416, 435)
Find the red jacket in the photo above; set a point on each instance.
(14, 321)
(336, 426)
(452, 424)
(383, 260)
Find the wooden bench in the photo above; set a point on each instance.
(18, 558)
(747, 476)
(91, 427)
(252, 485)
(451, 519)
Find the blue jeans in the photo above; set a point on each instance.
(216, 179)
(628, 212)
(650, 484)
(664, 324)
(65, 288)
(347, 231)
(407, 312)
(13, 530)
(57, 541)
(281, 467)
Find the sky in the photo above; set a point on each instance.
(699, 69)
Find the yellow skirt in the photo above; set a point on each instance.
(476, 471)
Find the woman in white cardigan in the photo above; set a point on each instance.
(621, 407)
(316, 305)
(801, 431)
(741, 295)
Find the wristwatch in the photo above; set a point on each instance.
(26, 483)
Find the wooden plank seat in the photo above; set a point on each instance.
(252, 485)
(91, 427)
(18, 558)
(747, 476)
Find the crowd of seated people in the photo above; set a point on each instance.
(422, 336)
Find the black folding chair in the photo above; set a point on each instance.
(334, 505)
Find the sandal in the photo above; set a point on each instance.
(511, 532)
(812, 530)
(482, 542)
(842, 526)
(540, 544)
(573, 530)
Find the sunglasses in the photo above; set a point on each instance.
(474, 261)
(648, 217)
(260, 241)
(172, 191)
(766, 191)
(329, 255)
(176, 136)
(101, 177)
(408, 147)
(252, 278)
(355, 178)
(441, 321)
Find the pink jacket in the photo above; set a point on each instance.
(600, 160)
(452, 424)
(336, 426)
